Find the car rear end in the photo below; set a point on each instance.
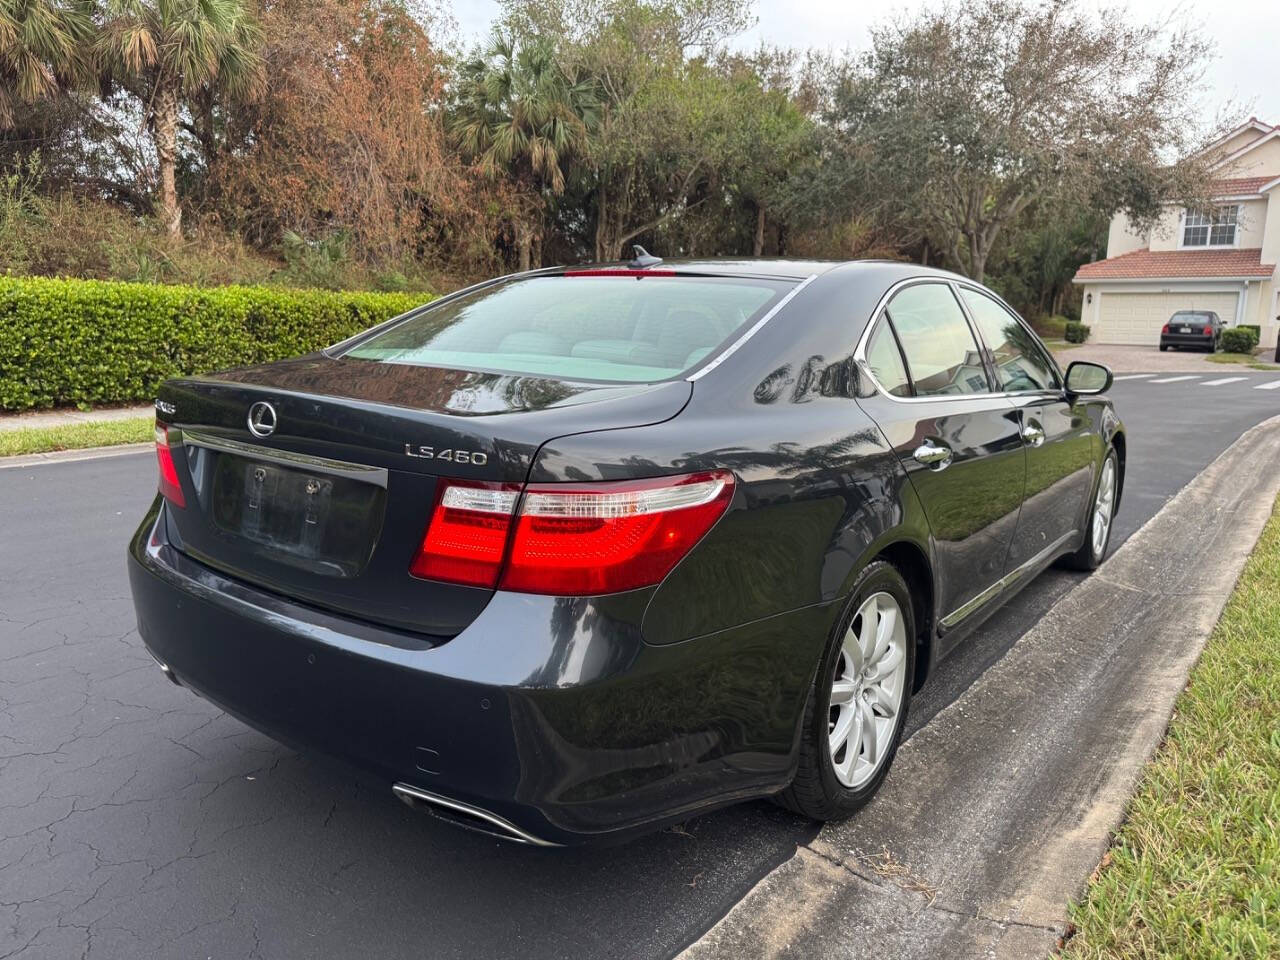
(1185, 329)
(347, 554)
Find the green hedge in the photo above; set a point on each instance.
(90, 342)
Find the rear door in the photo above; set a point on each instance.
(1058, 435)
(959, 442)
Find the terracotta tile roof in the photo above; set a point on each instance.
(1243, 185)
(1143, 264)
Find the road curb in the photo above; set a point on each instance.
(1000, 807)
(70, 456)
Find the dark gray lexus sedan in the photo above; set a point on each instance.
(576, 553)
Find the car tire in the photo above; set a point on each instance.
(1164, 347)
(1094, 549)
(828, 784)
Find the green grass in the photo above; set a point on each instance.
(1248, 359)
(1195, 870)
(1057, 345)
(75, 436)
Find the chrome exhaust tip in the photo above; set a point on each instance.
(166, 670)
(466, 816)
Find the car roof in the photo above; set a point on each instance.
(781, 267)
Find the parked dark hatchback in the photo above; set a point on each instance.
(577, 553)
(1201, 329)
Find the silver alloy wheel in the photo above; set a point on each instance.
(867, 689)
(1103, 505)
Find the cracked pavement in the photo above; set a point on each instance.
(138, 821)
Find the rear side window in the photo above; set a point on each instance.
(617, 329)
(941, 354)
(1019, 360)
(886, 362)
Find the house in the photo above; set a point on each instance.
(1223, 259)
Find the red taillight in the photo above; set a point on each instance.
(1165, 328)
(170, 487)
(1208, 331)
(467, 536)
(582, 539)
(570, 539)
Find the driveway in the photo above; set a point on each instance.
(138, 821)
(1123, 359)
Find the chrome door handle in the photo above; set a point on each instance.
(932, 454)
(1033, 435)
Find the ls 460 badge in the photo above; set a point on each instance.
(453, 456)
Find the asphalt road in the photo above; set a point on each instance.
(137, 821)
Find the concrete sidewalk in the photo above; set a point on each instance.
(58, 418)
(997, 811)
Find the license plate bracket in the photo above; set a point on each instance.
(327, 524)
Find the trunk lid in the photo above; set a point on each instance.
(330, 506)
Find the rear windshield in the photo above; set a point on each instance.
(1192, 317)
(617, 329)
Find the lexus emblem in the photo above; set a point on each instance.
(262, 419)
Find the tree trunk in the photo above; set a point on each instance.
(757, 248)
(782, 240)
(977, 258)
(524, 243)
(164, 124)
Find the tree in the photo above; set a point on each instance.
(164, 50)
(351, 142)
(772, 140)
(662, 126)
(41, 50)
(519, 111)
(966, 117)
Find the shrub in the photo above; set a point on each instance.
(1051, 328)
(1238, 340)
(92, 342)
(1256, 328)
(1076, 332)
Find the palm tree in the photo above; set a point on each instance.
(41, 47)
(163, 50)
(519, 111)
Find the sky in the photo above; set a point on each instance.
(1246, 34)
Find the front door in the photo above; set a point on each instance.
(959, 442)
(1057, 434)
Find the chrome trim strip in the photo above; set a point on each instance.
(733, 347)
(962, 611)
(409, 794)
(287, 458)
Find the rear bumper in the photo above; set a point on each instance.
(1185, 340)
(552, 715)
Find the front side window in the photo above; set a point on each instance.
(1020, 362)
(1215, 228)
(622, 329)
(941, 354)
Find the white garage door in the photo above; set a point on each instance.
(1137, 317)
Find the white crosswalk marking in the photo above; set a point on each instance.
(1190, 376)
(1133, 376)
(1273, 385)
(1216, 383)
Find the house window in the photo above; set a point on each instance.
(1216, 228)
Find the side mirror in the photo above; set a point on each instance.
(1086, 379)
